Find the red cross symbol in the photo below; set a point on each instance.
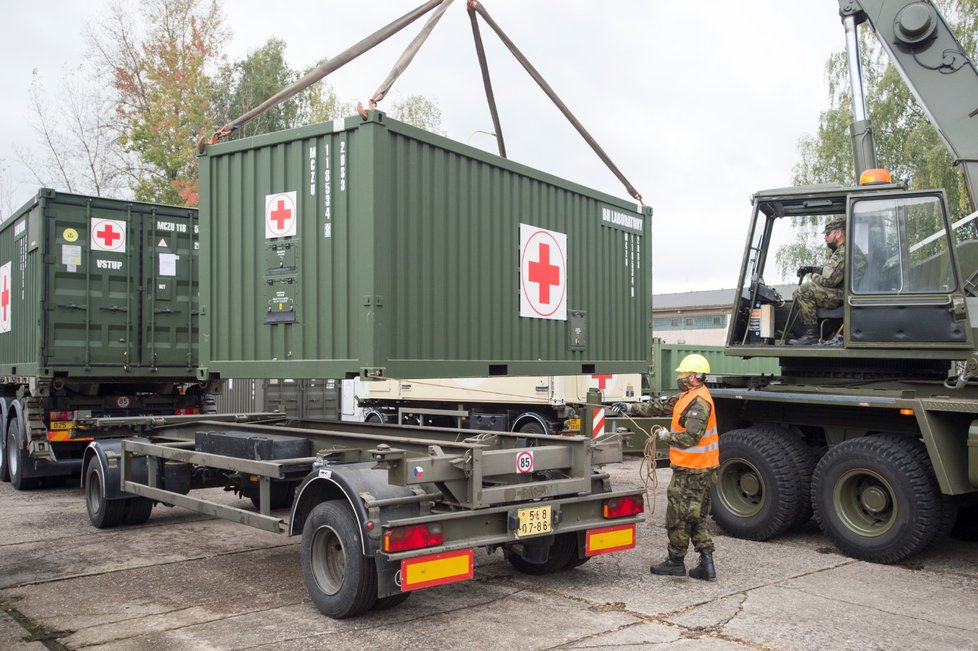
(4, 299)
(280, 215)
(108, 235)
(602, 380)
(544, 273)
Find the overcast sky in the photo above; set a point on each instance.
(700, 104)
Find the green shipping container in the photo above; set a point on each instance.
(98, 289)
(372, 247)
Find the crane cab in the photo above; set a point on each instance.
(909, 280)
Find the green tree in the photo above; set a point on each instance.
(262, 73)
(159, 68)
(907, 144)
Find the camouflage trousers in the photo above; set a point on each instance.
(688, 507)
(809, 297)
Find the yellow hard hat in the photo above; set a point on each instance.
(693, 364)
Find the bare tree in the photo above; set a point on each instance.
(77, 138)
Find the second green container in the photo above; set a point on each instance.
(370, 247)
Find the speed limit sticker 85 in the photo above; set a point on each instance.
(524, 462)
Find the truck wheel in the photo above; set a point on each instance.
(757, 495)
(804, 460)
(138, 510)
(17, 461)
(563, 549)
(374, 418)
(103, 513)
(877, 498)
(4, 468)
(340, 579)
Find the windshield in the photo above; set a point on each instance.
(904, 244)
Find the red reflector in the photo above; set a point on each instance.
(416, 536)
(621, 507)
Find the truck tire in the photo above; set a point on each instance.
(138, 510)
(877, 498)
(562, 552)
(804, 460)
(103, 513)
(17, 461)
(341, 580)
(4, 468)
(757, 495)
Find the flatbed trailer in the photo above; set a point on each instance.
(382, 510)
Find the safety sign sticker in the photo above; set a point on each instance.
(281, 215)
(108, 235)
(543, 273)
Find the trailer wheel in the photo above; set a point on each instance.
(562, 552)
(138, 510)
(757, 495)
(804, 460)
(17, 460)
(877, 498)
(103, 513)
(341, 580)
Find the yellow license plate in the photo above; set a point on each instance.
(534, 521)
(574, 424)
(61, 424)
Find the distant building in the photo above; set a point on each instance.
(697, 318)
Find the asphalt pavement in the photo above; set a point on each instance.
(186, 581)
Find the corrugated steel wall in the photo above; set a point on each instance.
(407, 257)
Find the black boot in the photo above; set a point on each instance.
(809, 336)
(705, 571)
(669, 567)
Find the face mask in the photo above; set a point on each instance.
(832, 245)
(684, 384)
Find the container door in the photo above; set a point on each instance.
(169, 322)
(92, 279)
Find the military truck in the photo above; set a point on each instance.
(98, 317)
(875, 431)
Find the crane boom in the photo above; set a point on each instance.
(936, 69)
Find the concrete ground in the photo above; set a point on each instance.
(184, 581)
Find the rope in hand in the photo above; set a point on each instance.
(647, 468)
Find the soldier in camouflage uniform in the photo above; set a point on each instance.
(694, 454)
(824, 288)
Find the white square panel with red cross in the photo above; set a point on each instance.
(543, 273)
(281, 215)
(108, 235)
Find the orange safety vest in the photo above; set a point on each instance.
(706, 453)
